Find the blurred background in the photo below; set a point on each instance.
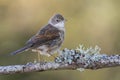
(90, 22)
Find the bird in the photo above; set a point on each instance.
(48, 39)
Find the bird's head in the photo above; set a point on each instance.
(57, 21)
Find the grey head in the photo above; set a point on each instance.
(57, 21)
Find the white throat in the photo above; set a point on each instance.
(59, 25)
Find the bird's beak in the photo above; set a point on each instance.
(65, 20)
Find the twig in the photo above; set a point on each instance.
(68, 59)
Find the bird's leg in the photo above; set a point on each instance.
(52, 56)
(38, 56)
(34, 50)
(59, 52)
(43, 56)
(46, 57)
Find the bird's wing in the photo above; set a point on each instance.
(45, 35)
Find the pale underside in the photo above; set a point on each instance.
(44, 50)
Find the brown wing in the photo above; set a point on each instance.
(45, 35)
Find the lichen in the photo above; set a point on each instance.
(81, 54)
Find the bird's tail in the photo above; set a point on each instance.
(20, 50)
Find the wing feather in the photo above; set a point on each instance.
(45, 35)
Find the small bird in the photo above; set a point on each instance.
(48, 39)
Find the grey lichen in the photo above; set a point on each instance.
(80, 54)
(87, 58)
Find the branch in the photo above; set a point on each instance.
(70, 60)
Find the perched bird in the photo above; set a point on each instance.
(48, 39)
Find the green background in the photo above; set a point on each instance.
(90, 22)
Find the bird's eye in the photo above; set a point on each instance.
(57, 20)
